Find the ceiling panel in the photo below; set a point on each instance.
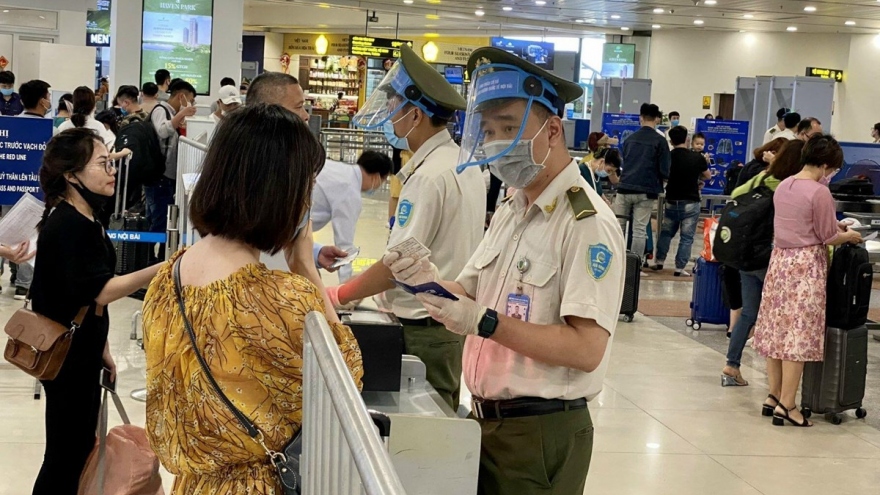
(568, 17)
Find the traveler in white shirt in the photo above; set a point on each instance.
(772, 133)
(791, 121)
(336, 198)
(84, 115)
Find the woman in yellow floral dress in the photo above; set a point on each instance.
(248, 320)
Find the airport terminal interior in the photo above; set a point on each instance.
(730, 69)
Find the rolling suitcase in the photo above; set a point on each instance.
(130, 256)
(837, 384)
(633, 279)
(707, 302)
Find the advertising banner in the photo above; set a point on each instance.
(861, 159)
(726, 141)
(618, 60)
(620, 125)
(537, 52)
(177, 37)
(22, 143)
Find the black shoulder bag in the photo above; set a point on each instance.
(287, 462)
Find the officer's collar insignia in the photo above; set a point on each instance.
(598, 260)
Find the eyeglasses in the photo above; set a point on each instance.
(108, 167)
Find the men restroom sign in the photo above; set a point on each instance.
(835, 74)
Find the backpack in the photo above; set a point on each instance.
(745, 230)
(731, 177)
(849, 288)
(147, 161)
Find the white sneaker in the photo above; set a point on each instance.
(681, 273)
(750, 341)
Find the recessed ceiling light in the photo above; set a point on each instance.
(540, 2)
(742, 30)
(579, 21)
(698, 22)
(791, 29)
(656, 26)
(748, 16)
(507, 9)
(593, 21)
(408, 2)
(624, 28)
(42, 17)
(850, 23)
(479, 13)
(809, 8)
(659, 10)
(7, 11)
(615, 16)
(710, 2)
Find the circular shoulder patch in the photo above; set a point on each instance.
(404, 212)
(598, 260)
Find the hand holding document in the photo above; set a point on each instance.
(20, 225)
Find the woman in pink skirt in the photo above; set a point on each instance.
(791, 322)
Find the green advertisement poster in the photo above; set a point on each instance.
(177, 37)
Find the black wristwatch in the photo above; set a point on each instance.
(488, 324)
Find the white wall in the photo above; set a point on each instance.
(72, 27)
(67, 67)
(272, 51)
(858, 101)
(125, 43)
(226, 41)
(686, 65)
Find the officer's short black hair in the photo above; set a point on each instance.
(374, 162)
(32, 92)
(678, 135)
(227, 81)
(650, 111)
(792, 120)
(150, 89)
(182, 86)
(674, 114)
(162, 76)
(780, 114)
(7, 77)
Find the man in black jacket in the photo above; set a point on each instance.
(646, 161)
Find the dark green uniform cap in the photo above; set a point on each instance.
(431, 83)
(568, 91)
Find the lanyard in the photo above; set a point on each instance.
(423, 160)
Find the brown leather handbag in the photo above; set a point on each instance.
(38, 345)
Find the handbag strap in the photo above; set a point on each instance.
(246, 423)
(102, 435)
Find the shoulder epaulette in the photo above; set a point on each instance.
(580, 203)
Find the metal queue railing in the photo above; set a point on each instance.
(342, 452)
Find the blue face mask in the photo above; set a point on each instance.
(123, 112)
(602, 173)
(7, 92)
(674, 123)
(393, 140)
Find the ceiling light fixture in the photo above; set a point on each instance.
(615, 17)
(748, 16)
(791, 29)
(809, 8)
(656, 26)
(540, 3)
(699, 22)
(850, 23)
(479, 13)
(659, 10)
(408, 2)
(624, 28)
(507, 9)
(710, 2)
(579, 21)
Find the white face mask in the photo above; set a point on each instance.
(517, 168)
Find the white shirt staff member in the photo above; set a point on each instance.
(772, 132)
(443, 210)
(539, 300)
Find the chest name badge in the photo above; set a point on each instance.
(598, 260)
(404, 212)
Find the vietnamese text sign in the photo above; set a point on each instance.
(726, 141)
(177, 37)
(305, 44)
(367, 46)
(835, 74)
(452, 53)
(620, 125)
(22, 143)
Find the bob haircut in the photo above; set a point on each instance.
(257, 179)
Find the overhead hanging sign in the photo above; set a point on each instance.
(177, 37)
(98, 25)
(367, 46)
(835, 74)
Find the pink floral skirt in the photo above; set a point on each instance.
(791, 321)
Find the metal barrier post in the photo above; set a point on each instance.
(172, 241)
(342, 454)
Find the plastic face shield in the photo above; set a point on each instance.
(489, 114)
(385, 101)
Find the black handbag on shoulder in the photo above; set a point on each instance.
(286, 462)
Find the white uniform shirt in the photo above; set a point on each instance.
(787, 134)
(771, 134)
(106, 136)
(444, 210)
(577, 269)
(336, 199)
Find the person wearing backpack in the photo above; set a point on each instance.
(790, 329)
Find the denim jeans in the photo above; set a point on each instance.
(752, 286)
(639, 207)
(24, 276)
(679, 217)
(158, 197)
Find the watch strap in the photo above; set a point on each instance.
(488, 324)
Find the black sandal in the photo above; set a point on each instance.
(766, 409)
(779, 419)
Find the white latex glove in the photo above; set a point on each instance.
(461, 317)
(410, 271)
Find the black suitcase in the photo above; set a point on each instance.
(849, 287)
(130, 256)
(837, 384)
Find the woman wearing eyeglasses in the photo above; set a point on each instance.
(75, 268)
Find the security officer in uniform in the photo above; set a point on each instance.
(539, 300)
(770, 135)
(438, 207)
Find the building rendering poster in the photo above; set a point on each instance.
(177, 37)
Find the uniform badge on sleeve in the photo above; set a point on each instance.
(404, 212)
(598, 260)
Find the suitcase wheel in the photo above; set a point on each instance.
(628, 318)
(835, 419)
(861, 413)
(689, 322)
(696, 326)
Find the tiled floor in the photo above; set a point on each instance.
(664, 425)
